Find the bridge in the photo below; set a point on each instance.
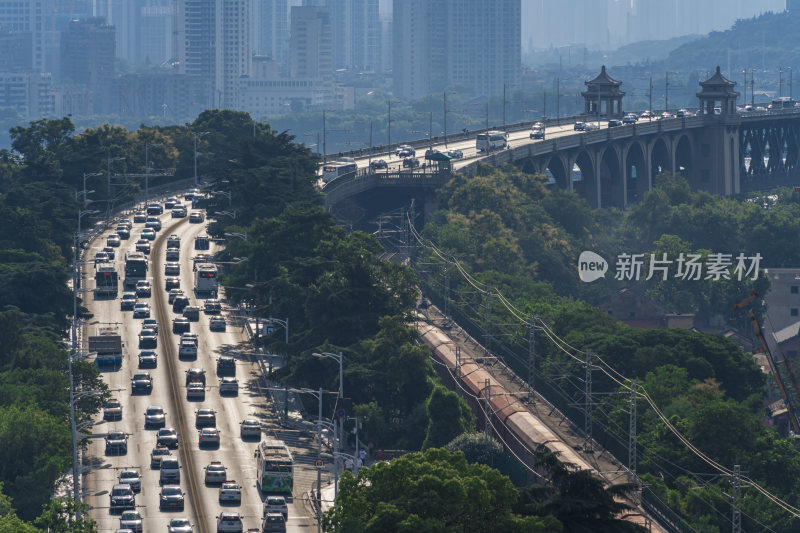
(722, 150)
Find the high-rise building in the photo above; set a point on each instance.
(269, 27)
(356, 34)
(87, 52)
(155, 35)
(311, 48)
(472, 44)
(35, 19)
(214, 46)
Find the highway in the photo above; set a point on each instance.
(201, 501)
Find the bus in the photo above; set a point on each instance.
(105, 280)
(205, 279)
(337, 169)
(782, 102)
(491, 140)
(135, 268)
(274, 467)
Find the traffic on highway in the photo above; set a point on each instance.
(181, 445)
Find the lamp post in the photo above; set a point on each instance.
(73, 396)
(445, 111)
(109, 159)
(200, 134)
(430, 126)
(337, 357)
(147, 169)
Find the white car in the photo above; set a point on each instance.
(215, 473)
(141, 310)
(276, 504)
(180, 525)
(228, 384)
(154, 416)
(250, 428)
(230, 492)
(229, 523)
(133, 520)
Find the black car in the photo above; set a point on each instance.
(179, 304)
(191, 312)
(378, 164)
(410, 162)
(122, 498)
(614, 123)
(171, 497)
(123, 232)
(226, 366)
(180, 325)
(170, 202)
(141, 382)
(148, 359)
(172, 283)
(116, 443)
(148, 339)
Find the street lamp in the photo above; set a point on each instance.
(445, 112)
(430, 126)
(108, 184)
(242, 236)
(389, 123)
(147, 169)
(73, 396)
(200, 134)
(336, 357)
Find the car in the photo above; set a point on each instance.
(614, 123)
(455, 153)
(212, 307)
(217, 323)
(405, 151)
(188, 336)
(131, 520)
(226, 366)
(128, 301)
(151, 323)
(149, 234)
(148, 339)
(122, 497)
(201, 242)
(591, 126)
(153, 223)
(180, 525)
(124, 232)
(174, 292)
(141, 382)
(116, 443)
(170, 202)
(229, 384)
(112, 410)
(167, 437)
(172, 255)
(187, 349)
(172, 269)
(273, 522)
(108, 250)
(230, 492)
(205, 418)
(537, 133)
(179, 304)
(157, 454)
(143, 289)
(125, 222)
(276, 504)
(191, 312)
(229, 523)
(101, 257)
(378, 164)
(196, 217)
(195, 374)
(132, 478)
(630, 118)
(148, 359)
(410, 162)
(191, 193)
(172, 282)
(140, 217)
(113, 240)
(178, 211)
(171, 497)
(430, 152)
(681, 113)
(646, 114)
(665, 115)
(195, 391)
(154, 416)
(180, 324)
(250, 428)
(141, 310)
(143, 245)
(208, 437)
(579, 126)
(215, 472)
(174, 242)
(154, 209)
(200, 258)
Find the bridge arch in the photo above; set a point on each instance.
(609, 170)
(527, 166)
(556, 168)
(637, 178)
(684, 161)
(585, 183)
(660, 158)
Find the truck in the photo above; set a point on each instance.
(107, 344)
(105, 280)
(205, 279)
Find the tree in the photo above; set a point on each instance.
(448, 416)
(58, 517)
(430, 491)
(477, 448)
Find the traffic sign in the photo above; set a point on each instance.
(269, 329)
(340, 413)
(319, 463)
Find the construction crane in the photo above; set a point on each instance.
(748, 303)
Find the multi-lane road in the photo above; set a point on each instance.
(201, 500)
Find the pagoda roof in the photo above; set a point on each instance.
(603, 79)
(717, 86)
(603, 85)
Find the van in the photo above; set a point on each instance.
(170, 471)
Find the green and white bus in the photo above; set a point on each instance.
(275, 467)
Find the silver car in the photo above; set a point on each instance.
(154, 416)
(131, 520)
(132, 478)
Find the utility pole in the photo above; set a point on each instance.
(650, 95)
(487, 320)
(444, 109)
(666, 92)
(780, 82)
(558, 100)
(73, 426)
(752, 90)
(587, 404)
(447, 288)
(531, 358)
(319, 468)
(632, 437)
(487, 115)
(504, 107)
(736, 512)
(487, 391)
(389, 124)
(196, 135)
(324, 140)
